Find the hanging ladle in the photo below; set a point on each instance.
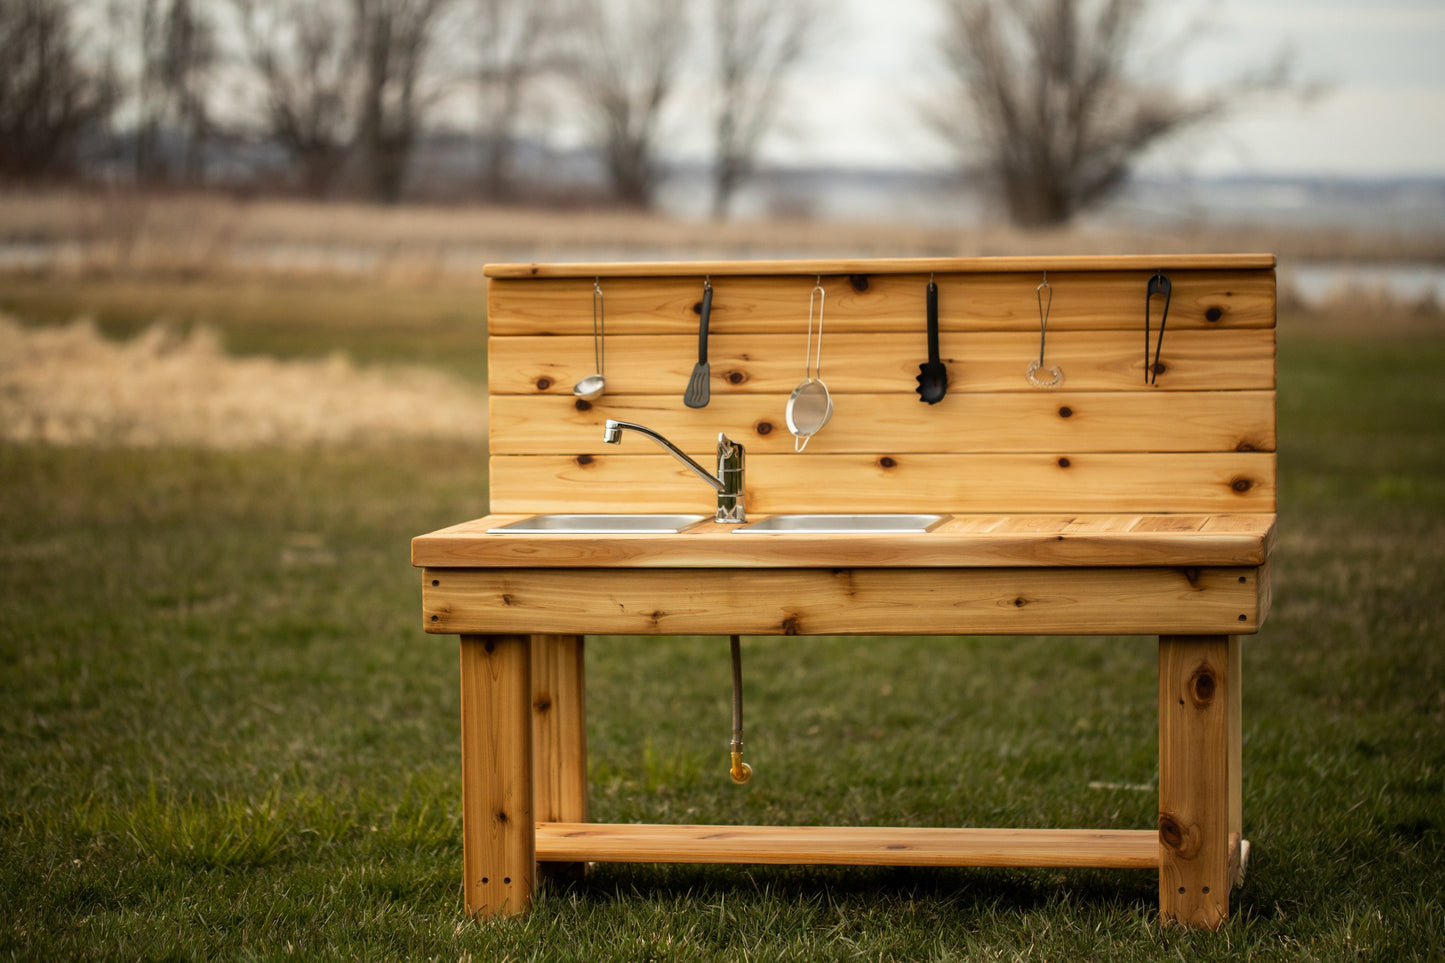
(591, 387)
(1032, 372)
(810, 406)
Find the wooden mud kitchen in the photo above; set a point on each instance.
(994, 446)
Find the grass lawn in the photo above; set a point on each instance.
(224, 734)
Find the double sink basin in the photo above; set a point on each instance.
(834, 524)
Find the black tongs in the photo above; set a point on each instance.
(1158, 284)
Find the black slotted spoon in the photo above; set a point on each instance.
(932, 374)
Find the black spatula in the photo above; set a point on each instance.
(698, 392)
(933, 374)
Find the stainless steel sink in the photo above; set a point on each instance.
(841, 524)
(599, 525)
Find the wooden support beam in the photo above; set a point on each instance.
(559, 738)
(498, 835)
(842, 601)
(1196, 804)
(848, 845)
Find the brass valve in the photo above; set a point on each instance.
(741, 772)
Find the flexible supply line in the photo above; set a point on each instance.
(740, 772)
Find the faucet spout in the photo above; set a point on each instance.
(728, 482)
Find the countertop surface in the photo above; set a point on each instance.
(963, 541)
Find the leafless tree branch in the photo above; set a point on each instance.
(756, 43)
(302, 52)
(49, 97)
(625, 69)
(1044, 92)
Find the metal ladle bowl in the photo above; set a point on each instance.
(590, 388)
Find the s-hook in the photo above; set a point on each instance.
(1035, 366)
(740, 771)
(1158, 284)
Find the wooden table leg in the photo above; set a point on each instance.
(499, 832)
(559, 738)
(1199, 783)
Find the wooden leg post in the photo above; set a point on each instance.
(1199, 783)
(559, 738)
(499, 835)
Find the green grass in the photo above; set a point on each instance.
(224, 734)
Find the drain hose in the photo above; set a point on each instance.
(740, 772)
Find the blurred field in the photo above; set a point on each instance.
(99, 234)
(224, 734)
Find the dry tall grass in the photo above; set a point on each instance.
(70, 386)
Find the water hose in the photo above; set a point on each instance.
(740, 772)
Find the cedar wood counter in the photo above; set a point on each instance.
(1107, 506)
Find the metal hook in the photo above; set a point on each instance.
(599, 322)
(1158, 284)
(1035, 366)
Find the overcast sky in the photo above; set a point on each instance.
(1381, 64)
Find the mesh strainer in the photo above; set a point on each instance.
(810, 406)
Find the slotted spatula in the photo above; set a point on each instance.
(698, 392)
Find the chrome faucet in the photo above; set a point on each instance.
(729, 478)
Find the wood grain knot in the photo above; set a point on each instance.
(736, 377)
(859, 282)
(1214, 314)
(1241, 485)
(585, 460)
(697, 308)
(507, 600)
(1160, 367)
(582, 404)
(1191, 575)
(502, 817)
(1244, 446)
(763, 427)
(1019, 602)
(542, 704)
(543, 384)
(1202, 685)
(790, 625)
(1066, 412)
(1064, 463)
(1176, 836)
(1171, 834)
(887, 462)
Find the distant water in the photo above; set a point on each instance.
(1318, 282)
(1401, 207)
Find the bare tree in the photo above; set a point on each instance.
(178, 57)
(515, 42)
(626, 66)
(395, 38)
(756, 43)
(302, 51)
(50, 98)
(1051, 101)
